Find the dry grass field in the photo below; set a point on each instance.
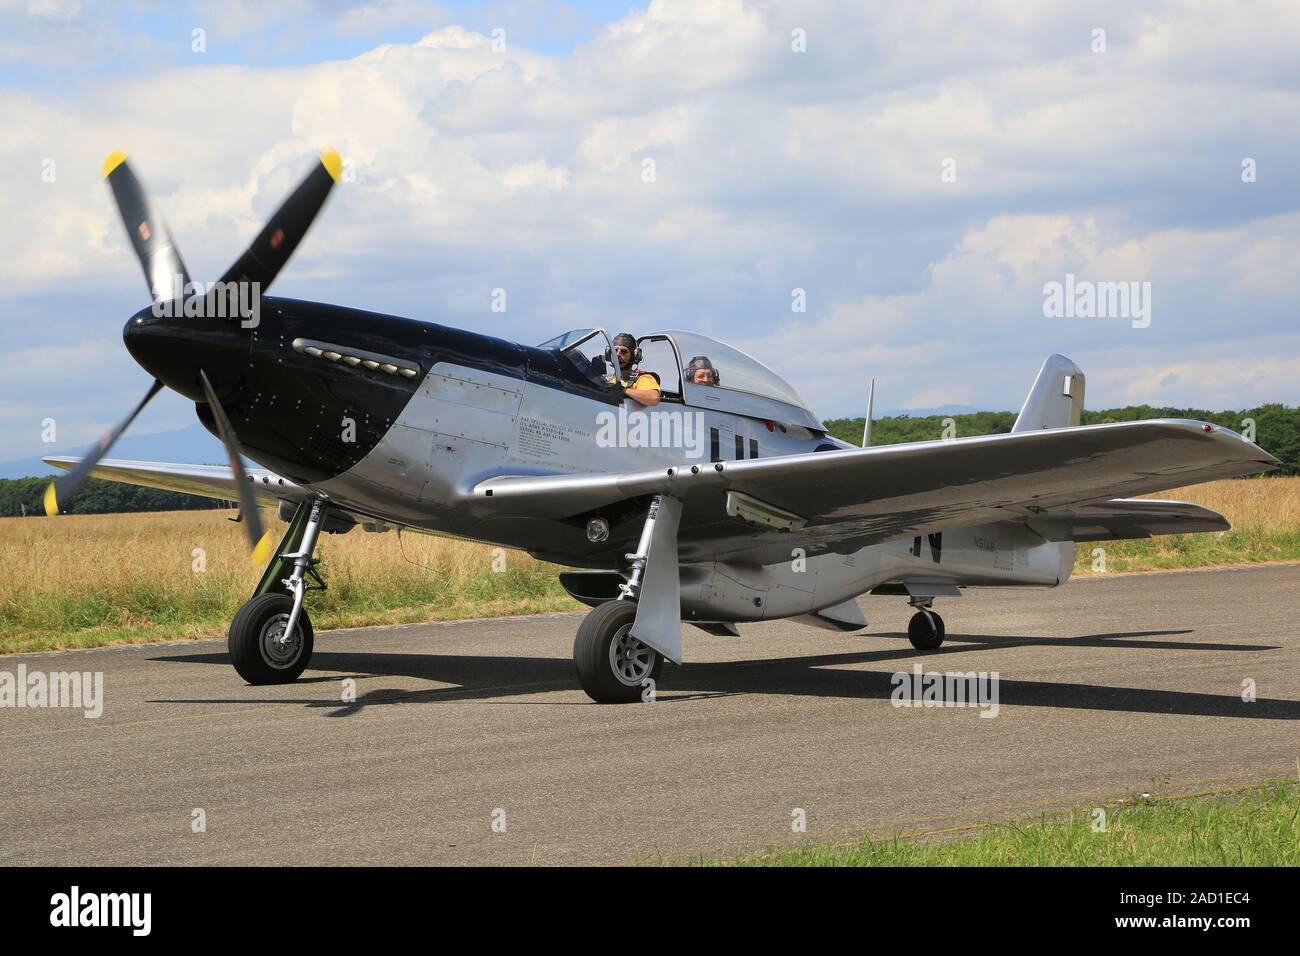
(84, 580)
(1265, 516)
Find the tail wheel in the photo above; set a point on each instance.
(613, 666)
(259, 648)
(925, 630)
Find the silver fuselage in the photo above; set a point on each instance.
(465, 425)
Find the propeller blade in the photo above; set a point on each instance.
(64, 487)
(269, 252)
(148, 234)
(261, 542)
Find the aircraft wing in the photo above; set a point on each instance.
(1127, 518)
(843, 500)
(210, 481)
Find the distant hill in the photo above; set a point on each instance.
(193, 445)
(927, 412)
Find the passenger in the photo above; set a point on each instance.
(700, 371)
(642, 387)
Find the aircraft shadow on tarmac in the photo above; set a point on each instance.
(822, 675)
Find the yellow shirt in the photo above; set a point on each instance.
(644, 381)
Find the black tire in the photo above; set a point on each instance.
(925, 630)
(250, 635)
(592, 655)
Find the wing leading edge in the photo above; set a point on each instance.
(210, 481)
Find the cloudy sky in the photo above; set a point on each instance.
(920, 170)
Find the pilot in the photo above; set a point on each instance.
(642, 387)
(700, 371)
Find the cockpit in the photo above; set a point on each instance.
(589, 350)
(731, 380)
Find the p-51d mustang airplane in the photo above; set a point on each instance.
(387, 422)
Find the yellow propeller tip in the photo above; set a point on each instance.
(262, 550)
(332, 163)
(51, 501)
(115, 159)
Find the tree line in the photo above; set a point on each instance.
(20, 496)
(1277, 427)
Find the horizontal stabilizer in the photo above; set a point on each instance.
(1127, 518)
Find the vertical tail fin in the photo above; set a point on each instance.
(1056, 400)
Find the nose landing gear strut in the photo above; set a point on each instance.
(271, 637)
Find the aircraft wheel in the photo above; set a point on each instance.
(925, 630)
(256, 648)
(611, 662)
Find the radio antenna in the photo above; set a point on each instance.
(866, 425)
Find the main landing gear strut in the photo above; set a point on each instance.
(613, 666)
(271, 636)
(925, 630)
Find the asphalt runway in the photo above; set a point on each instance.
(1107, 686)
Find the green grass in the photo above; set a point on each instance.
(88, 580)
(136, 609)
(1178, 551)
(172, 627)
(1259, 826)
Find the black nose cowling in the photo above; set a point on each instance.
(174, 348)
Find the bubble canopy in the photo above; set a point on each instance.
(736, 371)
